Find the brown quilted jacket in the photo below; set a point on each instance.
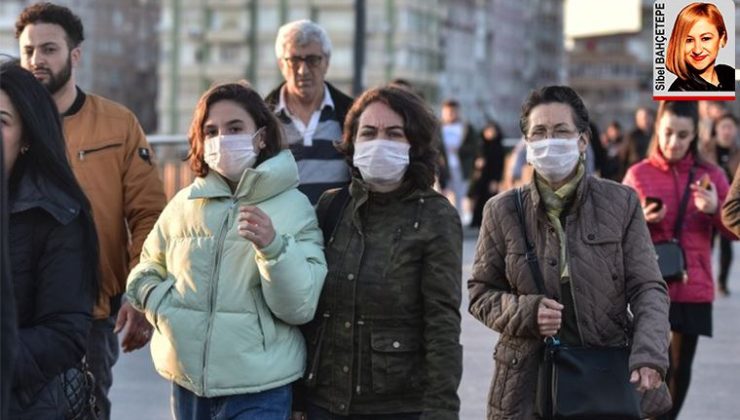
(612, 264)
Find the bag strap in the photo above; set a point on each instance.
(531, 254)
(684, 204)
(329, 219)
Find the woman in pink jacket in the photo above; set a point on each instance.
(660, 181)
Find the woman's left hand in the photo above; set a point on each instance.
(254, 225)
(646, 379)
(705, 200)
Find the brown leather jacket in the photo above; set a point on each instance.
(113, 163)
(612, 264)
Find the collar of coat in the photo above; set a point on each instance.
(33, 191)
(659, 161)
(361, 194)
(270, 178)
(538, 202)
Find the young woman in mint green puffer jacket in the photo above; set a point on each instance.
(233, 265)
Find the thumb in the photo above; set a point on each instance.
(635, 377)
(120, 321)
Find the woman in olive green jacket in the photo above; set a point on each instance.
(233, 264)
(385, 341)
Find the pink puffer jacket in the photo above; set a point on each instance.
(656, 177)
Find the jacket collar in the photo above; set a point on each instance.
(659, 161)
(270, 178)
(34, 192)
(580, 196)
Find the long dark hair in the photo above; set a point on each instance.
(46, 157)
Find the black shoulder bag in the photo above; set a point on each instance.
(671, 259)
(580, 382)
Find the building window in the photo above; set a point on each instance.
(230, 53)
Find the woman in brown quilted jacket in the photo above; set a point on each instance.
(594, 253)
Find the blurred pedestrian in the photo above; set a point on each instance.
(672, 171)
(596, 257)
(731, 208)
(232, 266)
(727, 156)
(310, 109)
(53, 254)
(461, 143)
(113, 164)
(616, 147)
(489, 168)
(639, 138)
(385, 343)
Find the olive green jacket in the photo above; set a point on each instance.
(386, 337)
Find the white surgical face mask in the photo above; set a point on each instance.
(553, 159)
(230, 155)
(382, 163)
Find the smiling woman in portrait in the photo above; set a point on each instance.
(698, 34)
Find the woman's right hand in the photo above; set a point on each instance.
(549, 317)
(652, 213)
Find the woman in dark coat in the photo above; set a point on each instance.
(53, 247)
(489, 168)
(385, 340)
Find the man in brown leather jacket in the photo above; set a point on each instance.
(113, 163)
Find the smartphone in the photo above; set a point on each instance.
(655, 200)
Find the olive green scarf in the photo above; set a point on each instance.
(555, 202)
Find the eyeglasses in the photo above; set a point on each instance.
(559, 133)
(310, 60)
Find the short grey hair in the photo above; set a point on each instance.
(301, 33)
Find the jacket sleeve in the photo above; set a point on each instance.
(647, 294)
(142, 289)
(731, 207)
(723, 190)
(293, 269)
(142, 189)
(491, 299)
(441, 279)
(57, 337)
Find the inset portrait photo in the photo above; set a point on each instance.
(693, 50)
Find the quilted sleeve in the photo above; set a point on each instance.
(492, 301)
(647, 294)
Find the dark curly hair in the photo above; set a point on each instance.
(419, 125)
(248, 99)
(52, 13)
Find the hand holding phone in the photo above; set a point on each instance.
(653, 209)
(658, 203)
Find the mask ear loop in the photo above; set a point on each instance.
(261, 143)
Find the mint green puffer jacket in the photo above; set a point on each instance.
(225, 313)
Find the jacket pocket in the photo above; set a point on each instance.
(265, 319)
(99, 151)
(396, 360)
(505, 393)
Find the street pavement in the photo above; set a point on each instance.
(139, 393)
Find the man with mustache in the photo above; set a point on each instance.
(311, 110)
(112, 161)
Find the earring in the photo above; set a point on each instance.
(24, 149)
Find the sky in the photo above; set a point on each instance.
(588, 17)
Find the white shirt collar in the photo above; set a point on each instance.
(282, 105)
